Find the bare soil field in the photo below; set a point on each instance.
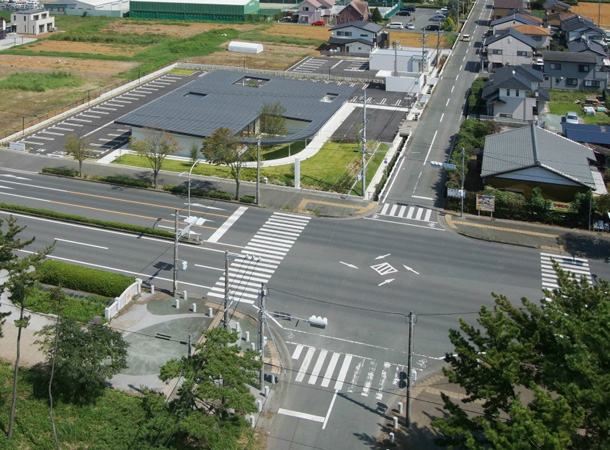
(301, 31)
(76, 66)
(592, 10)
(185, 31)
(84, 47)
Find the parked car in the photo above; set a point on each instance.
(570, 117)
(318, 23)
(466, 37)
(410, 26)
(437, 18)
(397, 25)
(403, 13)
(431, 28)
(410, 8)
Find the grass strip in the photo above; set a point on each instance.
(40, 82)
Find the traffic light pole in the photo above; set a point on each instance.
(409, 369)
(176, 239)
(261, 334)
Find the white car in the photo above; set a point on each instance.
(397, 25)
(410, 26)
(571, 117)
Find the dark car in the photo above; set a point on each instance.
(431, 28)
(403, 13)
(410, 8)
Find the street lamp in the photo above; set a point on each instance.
(189, 183)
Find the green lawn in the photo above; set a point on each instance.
(334, 168)
(564, 101)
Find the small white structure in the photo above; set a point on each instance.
(245, 47)
(404, 69)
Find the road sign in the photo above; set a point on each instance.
(456, 193)
(450, 166)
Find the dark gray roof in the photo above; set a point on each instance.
(548, 55)
(513, 33)
(584, 45)
(349, 40)
(29, 11)
(368, 26)
(532, 146)
(576, 23)
(512, 77)
(512, 17)
(217, 99)
(551, 3)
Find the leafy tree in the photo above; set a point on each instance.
(22, 274)
(85, 358)
(273, 122)
(194, 153)
(540, 372)
(602, 203)
(377, 17)
(155, 147)
(215, 396)
(222, 148)
(76, 147)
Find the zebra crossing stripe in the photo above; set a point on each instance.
(428, 215)
(402, 210)
(393, 210)
(330, 369)
(305, 365)
(297, 352)
(318, 366)
(343, 372)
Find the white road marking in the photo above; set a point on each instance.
(452, 88)
(348, 265)
(369, 378)
(297, 352)
(357, 370)
(383, 256)
(330, 408)
(447, 102)
(305, 365)
(330, 369)
(63, 129)
(442, 116)
(229, 222)
(384, 375)
(208, 267)
(81, 243)
(410, 269)
(343, 372)
(318, 366)
(386, 282)
(300, 415)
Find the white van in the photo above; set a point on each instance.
(394, 25)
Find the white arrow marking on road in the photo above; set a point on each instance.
(348, 265)
(13, 176)
(383, 256)
(386, 281)
(6, 187)
(199, 205)
(410, 270)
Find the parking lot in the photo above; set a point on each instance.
(420, 18)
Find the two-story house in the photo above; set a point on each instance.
(578, 26)
(508, 48)
(32, 21)
(555, 7)
(357, 10)
(595, 48)
(515, 93)
(541, 36)
(311, 11)
(355, 37)
(573, 71)
(503, 7)
(511, 21)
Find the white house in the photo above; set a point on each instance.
(508, 48)
(355, 37)
(404, 69)
(32, 21)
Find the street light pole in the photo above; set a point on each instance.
(409, 368)
(176, 239)
(189, 185)
(225, 315)
(258, 171)
(261, 335)
(462, 191)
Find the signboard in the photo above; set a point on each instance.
(486, 203)
(20, 146)
(450, 166)
(562, 207)
(456, 193)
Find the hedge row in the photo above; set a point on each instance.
(222, 195)
(124, 181)
(82, 309)
(62, 172)
(101, 223)
(85, 279)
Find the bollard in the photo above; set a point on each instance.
(194, 307)
(185, 295)
(152, 289)
(395, 423)
(237, 327)
(400, 408)
(273, 379)
(177, 304)
(247, 336)
(253, 345)
(264, 340)
(259, 405)
(252, 421)
(267, 391)
(391, 438)
(210, 313)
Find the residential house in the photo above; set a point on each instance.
(553, 9)
(595, 136)
(583, 45)
(357, 37)
(573, 71)
(2, 28)
(511, 21)
(528, 157)
(542, 36)
(515, 93)
(556, 20)
(502, 7)
(357, 10)
(32, 21)
(526, 13)
(578, 26)
(508, 48)
(311, 11)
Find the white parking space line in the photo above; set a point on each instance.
(105, 107)
(45, 138)
(97, 111)
(118, 105)
(86, 115)
(75, 124)
(54, 134)
(124, 130)
(122, 101)
(63, 129)
(32, 142)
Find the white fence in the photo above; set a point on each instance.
(122, 300)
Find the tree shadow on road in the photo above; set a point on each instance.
(587, 245)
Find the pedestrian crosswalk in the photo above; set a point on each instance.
(344, 371)
(408, 212)
(260, 258)
(571, 265)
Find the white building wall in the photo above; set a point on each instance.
(510, 48)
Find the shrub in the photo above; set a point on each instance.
(62, 172)
(199, 193)
(124, 181)
(219, 194)
(40, 82)
(86, 279)
(247, 199)
(82, 309)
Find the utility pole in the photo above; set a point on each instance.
(364, 145)
(261, 334)
(258, 171)
(462, 191)
(438, 48)
(409, 368)
(176, 239)
(225, 315)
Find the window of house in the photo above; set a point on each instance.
(592, 83)
(36, 17)
(521, 53)
(571, 82)
(305, 8)
(583, 68)
(508, 92)
(516, 92)
(555, 66)
(364, 35)
(347, 33)
(506, 115)
(496, 52)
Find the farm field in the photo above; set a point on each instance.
(592, 11)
